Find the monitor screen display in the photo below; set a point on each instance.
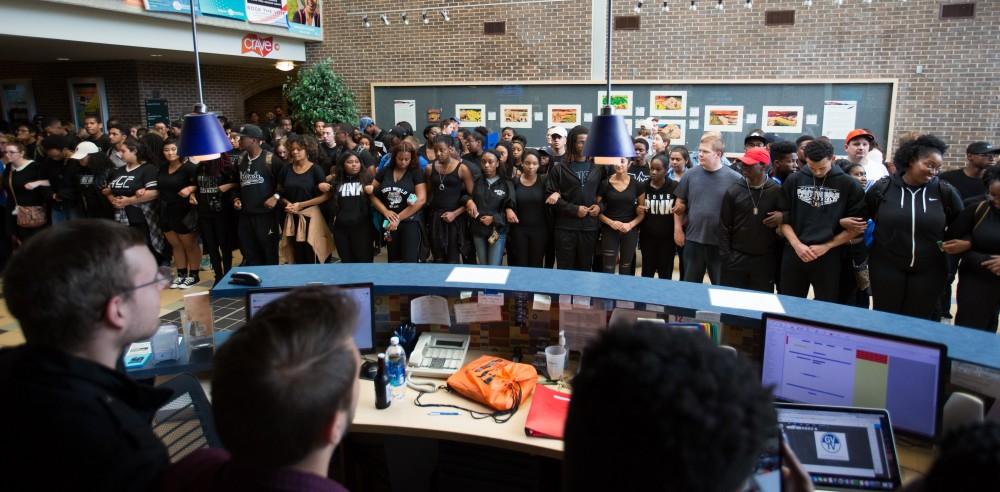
(362, 293)
(816, 363)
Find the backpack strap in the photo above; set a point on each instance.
(982, 210)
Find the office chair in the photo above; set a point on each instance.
(185, 423)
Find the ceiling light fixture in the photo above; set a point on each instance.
(202, 137)
(808, 3)
(62, 59)
(285, 65)
(610, 140)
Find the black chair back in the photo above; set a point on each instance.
(185, 423)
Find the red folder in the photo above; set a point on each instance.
(547, 415)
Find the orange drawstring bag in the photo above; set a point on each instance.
(495, 382)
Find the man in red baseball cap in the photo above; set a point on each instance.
(750, 213)
(857, 144)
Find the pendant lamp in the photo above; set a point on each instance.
(610, 140)
(202, 136)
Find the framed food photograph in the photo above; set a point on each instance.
(782, 119)
(668, 103)
(621, 102)
(470, 115)
(564, 115)
(675, 130)
(515, 115)
(724, 119)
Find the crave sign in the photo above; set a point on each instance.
(259, 45)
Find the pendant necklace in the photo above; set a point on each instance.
(750, 192)
(816, 190)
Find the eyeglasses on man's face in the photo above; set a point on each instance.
(164, 276)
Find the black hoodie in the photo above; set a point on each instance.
(573, 194)
(816, 205)
(909, 222)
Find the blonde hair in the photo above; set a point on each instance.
(713, 139)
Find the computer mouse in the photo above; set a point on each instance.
(369, 369)
(245, 278)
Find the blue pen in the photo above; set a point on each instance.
(443, 413)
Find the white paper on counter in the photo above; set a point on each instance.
(430, 310)
(752, 301)
(478, 275)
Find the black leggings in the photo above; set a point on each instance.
(823, 274)
(354, 243)
(618, 249)
(906, 291)
(526, 246)
(216, 241)
(405, 244)
(978, 298)
(658, 256)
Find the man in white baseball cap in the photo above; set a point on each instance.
(556, 136)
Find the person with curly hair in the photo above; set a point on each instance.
(696, 417)
(912, 210)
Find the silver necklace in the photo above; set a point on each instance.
(816, 191)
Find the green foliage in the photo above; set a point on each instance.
(316, 93)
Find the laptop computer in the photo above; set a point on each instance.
(842, 448)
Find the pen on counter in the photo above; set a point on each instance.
(442, 413)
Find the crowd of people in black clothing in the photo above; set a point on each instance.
(785, 216)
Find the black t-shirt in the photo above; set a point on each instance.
(102, 142)
(530, 202)
(639, 172)
(980, 221)
(210, 199)
(126, 183)
(659, 220)
(619, 205)
(17, 179)
(296, 187)
(353, 207)
(742, 230)
(92, 202)
(395, 195)
(257, 182)
(171, 183)
(971, 189)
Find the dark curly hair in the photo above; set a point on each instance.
(818, 150)
(912, 151)
(969, 459)
(655, 405)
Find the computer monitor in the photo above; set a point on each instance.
(364, 332)
(823, 364)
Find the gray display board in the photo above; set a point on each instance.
(830, 106)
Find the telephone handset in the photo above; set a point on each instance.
(438, 355)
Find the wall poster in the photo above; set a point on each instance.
(87, 98)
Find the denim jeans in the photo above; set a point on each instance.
(489, 254)
(67, 213)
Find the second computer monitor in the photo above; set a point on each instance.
(817, 363)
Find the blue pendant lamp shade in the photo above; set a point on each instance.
(202, 136)
(609, 141)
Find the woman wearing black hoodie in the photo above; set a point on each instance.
(818, 197)
(912, 210)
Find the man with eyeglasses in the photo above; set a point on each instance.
(68, 405)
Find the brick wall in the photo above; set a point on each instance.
(955, 97)
(543, 42)
(265, 101)
(129, 83)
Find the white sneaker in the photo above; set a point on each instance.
(187, 283)
(176, 284)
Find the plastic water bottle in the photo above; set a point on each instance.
(382, 396)
(395, 362)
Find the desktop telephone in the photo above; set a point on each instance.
(438, 355)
